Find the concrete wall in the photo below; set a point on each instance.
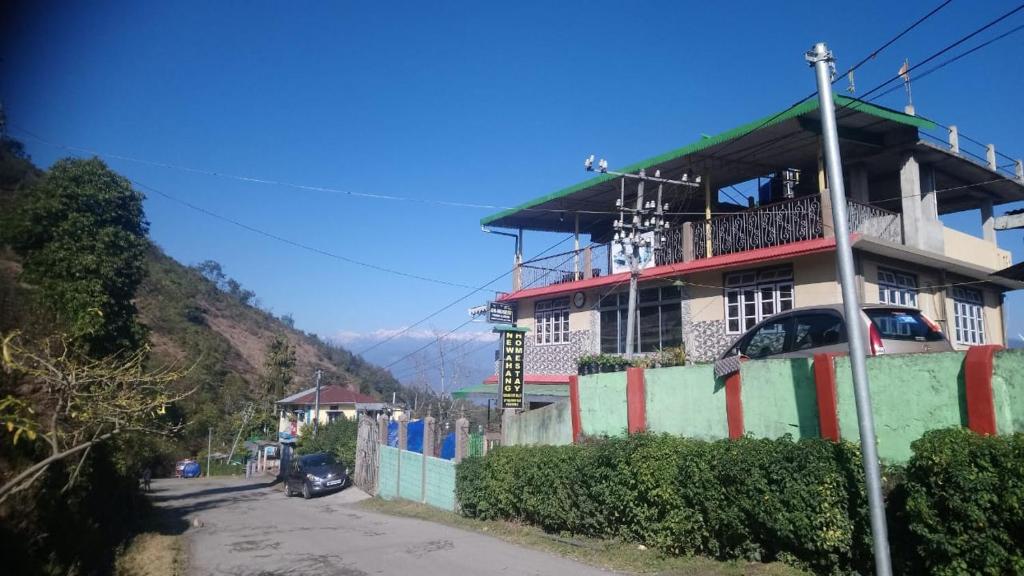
(911, 394)
(547, 426)
(407, 476)
(603, 404)
(974, 250)
(685, 401)
(779, 398)
(1008, 391)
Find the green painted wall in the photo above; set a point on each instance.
(910, 393)
(685, 401)
(779, 398)
(440, 478)
(1008, 390)
(547, 426)
(410, 482)
(388, 475)
(603, 404)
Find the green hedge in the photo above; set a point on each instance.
(750, 498)
(956, 509)
(338, 437)
(962, 504)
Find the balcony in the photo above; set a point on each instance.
(775, 224)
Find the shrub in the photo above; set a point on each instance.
(965, 503)
(338, 437)
(755, 499)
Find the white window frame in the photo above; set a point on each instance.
(751, 296)
(897, 288)
(551, 321)
(619, 304)
(968, 316)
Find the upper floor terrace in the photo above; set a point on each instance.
(899, 181)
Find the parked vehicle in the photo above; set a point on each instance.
(804, 332)
(315, 474)
(179, 467)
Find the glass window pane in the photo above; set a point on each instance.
(650, 332)
(671, 293)
(649, 295)
(609, 332)
(770, 339)
(671, 326)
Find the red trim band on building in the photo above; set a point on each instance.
(715, 262)
(828, 405)
(734, 405)
(574, 407)
(636, 400)
(535, 379)
(981, 407)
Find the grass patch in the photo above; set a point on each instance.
(608, 554)
(153, 554)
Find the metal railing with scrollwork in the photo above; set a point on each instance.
(874, 221)
(772, 225)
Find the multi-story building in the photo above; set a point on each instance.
(723, 266)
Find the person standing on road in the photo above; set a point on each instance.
(147, 476)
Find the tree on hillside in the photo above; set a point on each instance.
(81, 233)
(73, 403)
(278, 369)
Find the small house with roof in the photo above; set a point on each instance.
(336, 402)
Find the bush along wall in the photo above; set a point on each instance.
(956, 510)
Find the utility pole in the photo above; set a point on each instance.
(246, 416)
(316, 404)
(824, 67)
(440, 351)
(209, 448)
(647, 217)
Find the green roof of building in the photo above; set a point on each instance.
(708, 142)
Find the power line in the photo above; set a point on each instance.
(952, 60)
(296, 244)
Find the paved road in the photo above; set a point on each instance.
(251, 529)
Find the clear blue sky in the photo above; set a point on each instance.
(477, 101)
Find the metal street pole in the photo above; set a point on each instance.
(316, 404)
(822, 60)
(209, 447)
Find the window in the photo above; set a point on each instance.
(770, 339)
(816, 330)
(969, 316)
(750, 297)
(552, 318)
(897, 288)
(659, 321)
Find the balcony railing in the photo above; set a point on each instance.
(874, 221)
(570, 266)
(772, 225)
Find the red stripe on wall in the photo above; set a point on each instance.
(981, 407)
(574, 407)
(825, 385)
(636, 400)
(734, 405)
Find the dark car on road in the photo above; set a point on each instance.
(315, 474)
(804, 332)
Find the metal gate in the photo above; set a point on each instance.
(367, 455)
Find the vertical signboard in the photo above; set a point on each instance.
(512, 343)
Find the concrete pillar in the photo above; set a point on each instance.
(382, 429)
(988, 222)
(932, 232)
(403, 432)
(429, 432)
(954, 140)
(828, 229)
(687, 241)
(910, 197)
(858, 185)
(990, 156)
(461, 439)
(1019, 170)
(507, 415)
